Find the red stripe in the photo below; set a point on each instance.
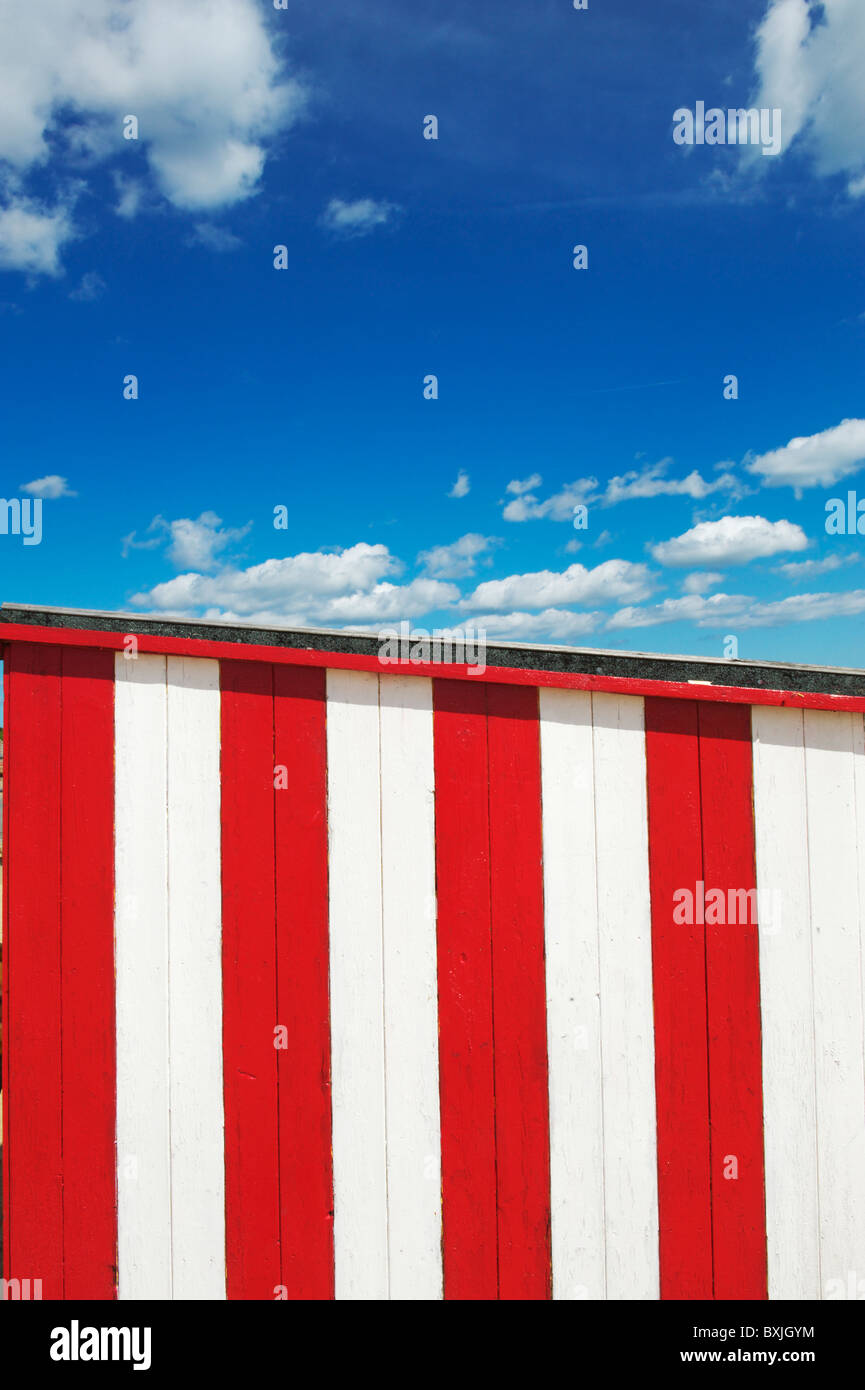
(679, 987)
(32, 1106)
(305, 1155)
(492, 1023)
(86, 784)
(707, 1003)
(4, 956)
(519, 994)
(279, 1190)
(252, 1252)
(466, 1077)
(733, 984)
(499, 675)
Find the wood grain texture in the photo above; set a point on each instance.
(86, 788)
(301, 877)
(195, 992)
(733, 1005)
(356, 988)
(468, 1137)
(787, 1004)
(679, 980)
(249, 983)
(141, 953)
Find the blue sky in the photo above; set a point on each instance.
(303, 388)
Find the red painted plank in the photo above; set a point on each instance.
(502, 675)
(303, 1008)
(519, 994)
(32, 958)
(249, 983)
(733, 989)
(679, 986)
(7, 1180)
(466, 1075)
(87, 907)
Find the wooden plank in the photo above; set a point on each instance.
(410, 988)
(733, 1005)
(305, 1161)
(837, 968)
(787, 1004)
(356, 991)
(625, 987)
(32, 961)
(195, 977)
(519, 994)
(468, 1140)
(679, 984)
(86, 783)
(141, 947)
(251, 1096)
(573, 996)
(8, 660)
(502, 675)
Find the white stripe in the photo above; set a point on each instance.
(838, 1025)
(627, 1019)
(195, 980)
(410, 988)
(604, 1204)
(786, 1003)
(141, 955)
(171, 1237)
(356, 987)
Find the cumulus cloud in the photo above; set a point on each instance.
(462, 486)
(357, 218)
(734, 540)
(195, 543)
(721, 609)
(214, 238)
(458, 560)
(614, 581)
(700, 581)
(652, 481)
(91, 286)
(797, 570)
(51, 486)
(559, 507)
(814, 460)
(552, 625)
(808, 64)
(341, 587)
(202, 77)
(517, 487)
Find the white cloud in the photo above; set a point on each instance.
(202, 77)
(50, 486)
(559, 507)
(90, 287)
(214, 238)
(809, 65)
(745, 612)
(552, 625)
(458, 560)
(191, 543)
(734, 540)
(652, 481)
(32, 236)
(462, 486)
(614, 581)
(700, 581)
(798, 570)
(815, 460)
(517, 487)
(705, 612)
(342, 587)
(357, 218)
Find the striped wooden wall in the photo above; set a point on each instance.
(330, 984)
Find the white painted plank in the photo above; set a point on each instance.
(786, 1003)
(838, 1025)
(195, 980)
(356, 987)
(627, 1020)
(410, 988)
(141, 956)
(573, 1006)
